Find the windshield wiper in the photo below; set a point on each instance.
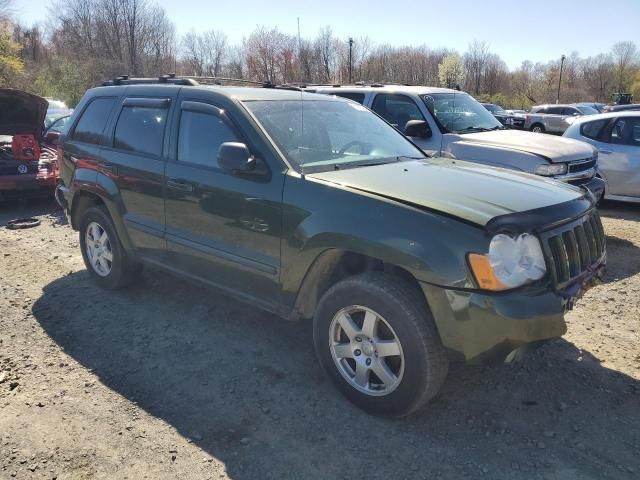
(480, 129)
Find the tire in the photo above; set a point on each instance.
(537, 128)
(122, 269)
(401, 314)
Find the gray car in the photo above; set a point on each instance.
(450, 123)
(555, 118)
(617, 136)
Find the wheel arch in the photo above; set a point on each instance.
(336, 264)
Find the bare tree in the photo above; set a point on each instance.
(475, 63)
(624, 56)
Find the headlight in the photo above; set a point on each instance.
(511, 262)
(551, 169)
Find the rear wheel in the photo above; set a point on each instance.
(537, 128)
(376, 339)
(105, 258)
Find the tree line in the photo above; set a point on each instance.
(87, 41)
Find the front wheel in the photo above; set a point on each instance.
(377, 341)
(538, 128)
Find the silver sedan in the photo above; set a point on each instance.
(616, 135)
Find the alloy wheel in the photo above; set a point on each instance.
(366, 350)
(98, 248)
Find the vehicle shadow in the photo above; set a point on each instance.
(620, 210)
(219, 372)
(24, 208)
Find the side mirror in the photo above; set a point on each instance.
(417, 128)
(52, 137)
(576, 114)
(235, 157)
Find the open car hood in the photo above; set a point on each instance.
(21, 113)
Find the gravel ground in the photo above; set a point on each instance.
(170, 380)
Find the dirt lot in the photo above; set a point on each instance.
(168, 380)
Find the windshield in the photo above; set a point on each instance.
(585, 110)
(494, 108)
(460, 113)
(57, 105)
(320, 134)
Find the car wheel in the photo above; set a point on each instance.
(105, 258)
(537, 128)
(376, 339)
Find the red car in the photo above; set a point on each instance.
(28, 167)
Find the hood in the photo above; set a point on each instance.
(21, 113)
(554, 149)
(470, 191)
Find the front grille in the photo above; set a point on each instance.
(581, 165)
(575, 248)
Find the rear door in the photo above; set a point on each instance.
(221, 227)
(135, 153)
(554, 120)
(83, 143)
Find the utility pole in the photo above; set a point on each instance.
(562, 59)
(350, 63)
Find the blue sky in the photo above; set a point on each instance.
(538, 30)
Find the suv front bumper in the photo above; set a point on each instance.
(476, 325)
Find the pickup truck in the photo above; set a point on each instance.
(449, 123)
(555, 118)
(313, 207)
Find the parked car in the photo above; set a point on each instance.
(51, 134)
(621, 108)
(311, 206)
(55, 110)
(27, 167)
(453, 124)
(504, 117)
(595, 105)
(617, 136)
(555, 118)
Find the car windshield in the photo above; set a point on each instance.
(494, 108)
(323, 134)
(460, 113)
(586, 110)
(57, 104)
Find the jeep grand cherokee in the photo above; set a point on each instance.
(313, 207)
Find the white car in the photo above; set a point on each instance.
(617, 137)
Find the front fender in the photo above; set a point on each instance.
(429, 245)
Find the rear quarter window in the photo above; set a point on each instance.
(90, 128)
(140, 129)
(592, 129)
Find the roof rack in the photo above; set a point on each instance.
(171, 78)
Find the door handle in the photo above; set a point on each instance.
(181, 185)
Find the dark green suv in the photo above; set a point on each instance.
(313, 207)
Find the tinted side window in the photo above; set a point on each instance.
(140, 129)
(396, 109)
(570, 111)
(626, 131)
(356, 97)
(593, 129)
(200, 137)
(554, 110)
(90, 127)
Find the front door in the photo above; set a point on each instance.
(220, 227)
(398, 109)
(619, 158)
